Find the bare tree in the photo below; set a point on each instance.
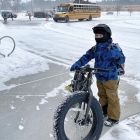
(118, 9)
(130, 10)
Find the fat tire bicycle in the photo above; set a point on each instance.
(79, 116)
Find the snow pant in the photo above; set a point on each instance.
(5, 19)
(108, 97)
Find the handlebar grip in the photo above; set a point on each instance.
(82, 68)
(77, 68)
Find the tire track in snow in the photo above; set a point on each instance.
(61, 32)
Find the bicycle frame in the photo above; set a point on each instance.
(90, 96)
(88, 70)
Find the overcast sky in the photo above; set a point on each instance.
(89, 0)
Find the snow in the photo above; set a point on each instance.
(37, 107)
(128, 129)
(12, 107)
(20, 63)
(125, 31)
(21, 127)
(43, 101)
(51, 136)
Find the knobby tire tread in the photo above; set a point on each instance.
(61, 108)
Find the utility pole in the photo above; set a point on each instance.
(52, 4)
(26, 5)
(32, 6)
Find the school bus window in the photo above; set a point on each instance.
(95, 8)
(84, 8)
(90, 8)
(71, 8)
(62, 9)
(78, 7)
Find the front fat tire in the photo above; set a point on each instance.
(63, 108)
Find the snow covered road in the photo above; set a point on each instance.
(34, 76)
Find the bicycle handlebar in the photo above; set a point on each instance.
(87, 69)
(99, 69)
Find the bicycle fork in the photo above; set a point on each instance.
(90, 98)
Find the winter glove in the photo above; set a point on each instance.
(74, 66)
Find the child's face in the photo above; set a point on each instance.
(98, 35)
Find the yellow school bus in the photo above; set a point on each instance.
(70, 11)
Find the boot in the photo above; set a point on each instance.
(104, 108)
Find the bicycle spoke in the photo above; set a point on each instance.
(74, 127)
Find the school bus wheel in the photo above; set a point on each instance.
(80, 19)
(55, 20)
(89, 18)
(67, 19)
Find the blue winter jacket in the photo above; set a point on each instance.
(5, 15)
(104, 58)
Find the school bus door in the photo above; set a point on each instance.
(71, 12)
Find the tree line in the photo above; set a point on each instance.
(18, 5)
(119, 2)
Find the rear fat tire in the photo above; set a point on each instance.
(63, 108)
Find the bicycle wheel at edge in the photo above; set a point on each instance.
(64, 125)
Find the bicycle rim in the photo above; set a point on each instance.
(74, 122)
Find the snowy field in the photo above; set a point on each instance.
(126, 32)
